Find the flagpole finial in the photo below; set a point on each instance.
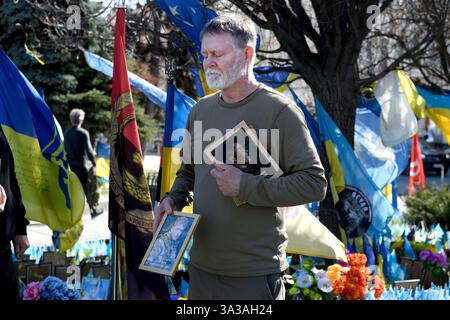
(120, 4)
(170, 67)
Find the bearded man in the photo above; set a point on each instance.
(238, 252)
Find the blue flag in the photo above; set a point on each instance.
(51, 193)
(152, 92)
(361, 205)
(310, 121)
(188, 15)
(409, 251)
(383, 164)
(368, 251)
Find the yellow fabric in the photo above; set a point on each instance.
(338, 181)
(283, 87)
(308, 236)
(387, 191)
(201, 74)
(441, 117)
(34, 55)
(42, 196)
(170, 166)
(102, 167)
(415, 100)
(68, 238)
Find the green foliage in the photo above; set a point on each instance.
(399, 247)
(430, 205)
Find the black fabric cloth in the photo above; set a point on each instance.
(78, 148)
(12, 219)
(9, 285)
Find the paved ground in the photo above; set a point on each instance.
(94, 229)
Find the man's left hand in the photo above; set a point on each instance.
(228, 179)
(21, 244)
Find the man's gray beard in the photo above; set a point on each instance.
(225, 81)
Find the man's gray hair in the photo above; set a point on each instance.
(239, 26)
(76, 116)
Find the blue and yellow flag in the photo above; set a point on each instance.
(190, 16)
(361, 205)
(437, 108)
(102, 162)
(178, 106)
(276, 79)
(51, 193)
(310, 122)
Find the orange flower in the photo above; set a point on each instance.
(339, 286)
(378, 286)
(334, 272)
(357, 260)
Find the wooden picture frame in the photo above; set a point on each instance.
(273, 171)
(38, 272)
(61, 272)
(101, 271)
(57, 258)
(169, 243)
(21, 266)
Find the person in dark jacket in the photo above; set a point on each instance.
(12, 222)
(80, 155)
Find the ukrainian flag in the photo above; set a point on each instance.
(178, 106)
(348, 173)
(51, 193)
(102, 161)
(438, 109)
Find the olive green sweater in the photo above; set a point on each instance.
(248, 240)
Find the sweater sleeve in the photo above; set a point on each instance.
(303, 180)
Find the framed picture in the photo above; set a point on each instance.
(38, 272)
(61, 272)
(95, 288)
(169, 242)
(56, 258)
(22, 268)
(102, 271)
(241, 147)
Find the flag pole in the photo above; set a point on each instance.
(115, 240)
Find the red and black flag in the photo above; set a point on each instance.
(130, 210)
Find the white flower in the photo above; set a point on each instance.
(325, 285)
(304, 280)
(300, 273)
(320, 274)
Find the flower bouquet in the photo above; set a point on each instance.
(436, 267)
(353, 281)
(435, 262)
(51, 288)
(311, 284)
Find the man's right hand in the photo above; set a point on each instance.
(3, 199)
(166, 206)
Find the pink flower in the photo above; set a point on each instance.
(32, 291)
